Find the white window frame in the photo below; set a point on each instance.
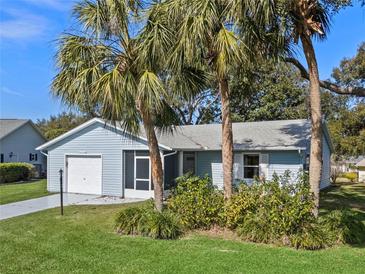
(135, 172)
(243, 164)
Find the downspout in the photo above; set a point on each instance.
(45, 154)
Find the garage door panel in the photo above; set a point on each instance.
(84, 174)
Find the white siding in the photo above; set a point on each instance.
(280, 169)
(95, 139)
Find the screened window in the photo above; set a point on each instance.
(142, 169)
(251, 165)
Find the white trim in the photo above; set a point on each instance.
(243, 166)
(65, 168)
(85, 125)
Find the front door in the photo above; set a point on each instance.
(137, 174)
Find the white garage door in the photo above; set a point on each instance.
(84, 174)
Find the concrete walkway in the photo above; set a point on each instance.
(51, 201)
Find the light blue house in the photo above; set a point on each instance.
(18, 141)
(98, 158)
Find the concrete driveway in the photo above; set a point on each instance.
(51, 201)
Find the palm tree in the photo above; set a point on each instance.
(294, 20)
(107, 66)
(204, 36)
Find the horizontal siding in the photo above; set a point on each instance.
(279, 162)
(204, 160)
(285, 157)
(281, 169)
(95, 139)
(283, 161)
(22, 142)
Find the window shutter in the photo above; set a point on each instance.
(264, 165)
(36, 157)
(238, 167)
(30, 157)
(217, 175)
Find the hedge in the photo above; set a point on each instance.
(12, 172)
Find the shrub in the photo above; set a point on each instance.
(352, 176)
(284, 205)
(310, 235)
(12, 172)
(276, 212)
(128, 220)
(160, 225)
(244, 201)
(197, 202)
(343, 226)
(145, 220)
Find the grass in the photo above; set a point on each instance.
(84, 241)
(15, 192)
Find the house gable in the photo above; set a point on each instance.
(95, 139)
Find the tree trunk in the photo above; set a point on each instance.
(227, 139)
(155, 158)
(315, 160)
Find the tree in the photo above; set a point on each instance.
(205, 37)
(288, 22)
(59, 124)
(348, 131)
(351, 72)
(203, 108)
(120, 72)
(268, 90)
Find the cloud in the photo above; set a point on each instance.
(9, 91)
(22, 25)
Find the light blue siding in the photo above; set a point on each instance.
(204, 161)
(283, 161)
(279, 161)
(21, 143)
(285, 157)
(95, 139)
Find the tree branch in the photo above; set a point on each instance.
(355, 91)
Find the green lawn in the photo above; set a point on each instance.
(14, 192)
(83, 241)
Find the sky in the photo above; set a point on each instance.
(28, 33)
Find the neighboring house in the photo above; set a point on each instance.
(18, 141)
(98, 158)
(347, 165)
(361, 170)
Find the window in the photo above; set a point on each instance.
(33, 157)
(251, 166)
(189, 162)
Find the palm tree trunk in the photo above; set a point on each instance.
(227, 139)
(315, 160)
(155, 158)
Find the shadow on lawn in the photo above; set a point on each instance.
(345, 196)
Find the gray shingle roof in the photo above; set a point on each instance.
(7, 126)
(266, 135)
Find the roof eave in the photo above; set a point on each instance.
(85, 125)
